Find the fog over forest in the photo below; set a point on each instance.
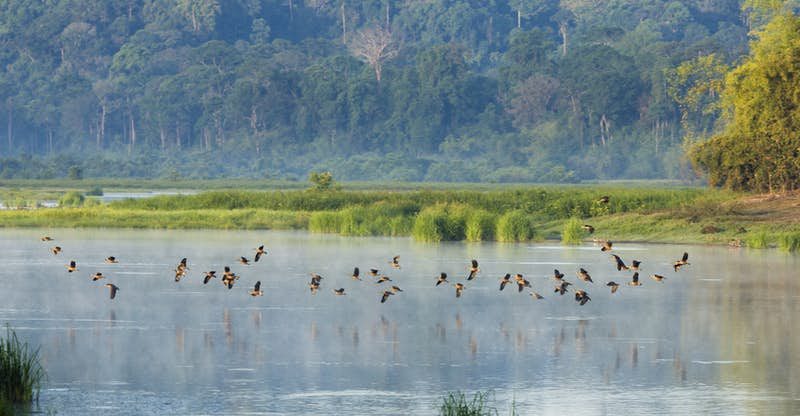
(413, 90)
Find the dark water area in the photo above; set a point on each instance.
(717, 337)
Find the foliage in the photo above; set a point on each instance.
(254, 89)
(758, 239)
(457, 404)
(573, 232)
(322, 181)
(71, 199)
(480, 226)
(515, 226)
(789, 242)
(21, 373)
(758, 149)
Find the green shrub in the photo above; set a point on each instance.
(573, 232)
(515, 226)
(71, 199)
(21, 374)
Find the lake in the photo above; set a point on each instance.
(717, 337)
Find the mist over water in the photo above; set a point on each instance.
(718, 337)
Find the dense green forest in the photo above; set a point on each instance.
(440, 90)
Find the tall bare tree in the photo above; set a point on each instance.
(374, 45)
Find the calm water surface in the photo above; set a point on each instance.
(718, 337)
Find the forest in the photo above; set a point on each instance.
(406, 90)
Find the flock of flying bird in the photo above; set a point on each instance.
(228, 277)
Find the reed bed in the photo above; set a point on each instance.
(21, 374)
(759, 239)
(515, 226)
(504, 214)
(789, 242)
(573, 232)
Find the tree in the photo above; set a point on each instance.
(696, 85)
(759, 148)
(532, 99)
(322, 181)
(375, 46)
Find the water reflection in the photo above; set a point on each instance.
(716, 338)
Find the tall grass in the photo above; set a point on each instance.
(573, 232)
(758, 239)
(457, 404)
(21, 374)
(515, 226)
(789, 242)
(481, 226)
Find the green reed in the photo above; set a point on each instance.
(515, 226)
(573, 232)
(759, 239)
(21, 373)
(789, 242)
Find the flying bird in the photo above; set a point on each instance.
(536, 296)
(588, 228)
(356, 274)
(97, 276)
(257, 290)
(562, 287)
(473, 270)
(208, 276)
(56, 250)
(557, 275)
(584, 275)
(606, 246)
(505, 280)
(396, 289)
(635, 265)
(459, 288)
(244, 260)
(260, 252)
(339, 291)
(582, 297)
(620, 264)
(72, 266)
(521, 282)
(373, 272)
(604, 199)
(658, 278)
(682, 262)
(442, 278)
(46, 238)
(386, 295)
(613, 285)
(111, 260)
(635, 280)
(384, 278)
(395, 262)
(314, 287)
(112, 289)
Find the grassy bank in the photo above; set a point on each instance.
(510, 214)
(106, 217)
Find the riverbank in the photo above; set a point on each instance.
(669, 215)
